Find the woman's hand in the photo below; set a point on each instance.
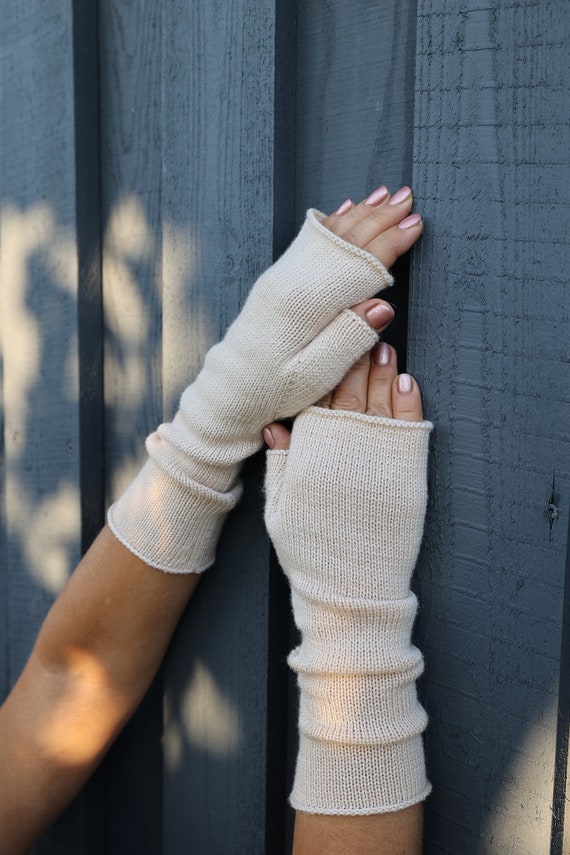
(344, 508)
(381, 224)
(372, 386)
(294, 339)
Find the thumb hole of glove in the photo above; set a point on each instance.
(322, 364)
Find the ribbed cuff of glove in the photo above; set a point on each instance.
(172, 524)
(345, 509)
(294, 339)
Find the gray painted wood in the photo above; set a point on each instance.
(355, 97)
(131, 146)
(38, 316)
(217, 213)
(194, 198)
(489, 343)
(354, 100)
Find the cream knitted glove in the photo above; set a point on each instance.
(345, 510)
(293, 341)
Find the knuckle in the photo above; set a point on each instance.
(347, 401)
(352, 238)
(362, 361)
(379, 409)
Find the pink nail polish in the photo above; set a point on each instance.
(342, 209)
(382, 353)
(376, 196)
(380, 316)
(405, 384)
(412, 220)
(400, 196)
(268, 437)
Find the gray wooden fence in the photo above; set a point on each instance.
(154, 159)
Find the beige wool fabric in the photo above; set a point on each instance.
(345, 509)
(294, 340)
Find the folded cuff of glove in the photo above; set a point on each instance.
(172, 525)
(344, 779)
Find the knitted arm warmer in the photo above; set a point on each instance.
(345, 509)
(294, 339)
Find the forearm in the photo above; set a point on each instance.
(96, 655)
(54, 730)
(396, 833)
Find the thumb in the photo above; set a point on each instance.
(277, 436)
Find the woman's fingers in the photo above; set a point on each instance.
(382, 224)
(383, 370)
(373, 386)
(365, 221)
(352, 391)
(391, 244)
(406, 399)
(377, 313)
(277, 436)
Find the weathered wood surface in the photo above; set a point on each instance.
(218, 113)
(131, 149)
(39, 334)
(490, 344)
(355, 101)
(204, 169)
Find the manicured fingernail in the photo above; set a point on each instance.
(342, 209)
(412, 220)
(400, 196)
(376, 196)
(268, 437)
(382, 353)
(405, 384)
(380, 316)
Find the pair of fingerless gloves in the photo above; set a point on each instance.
(345, 507)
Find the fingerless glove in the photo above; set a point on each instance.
(294, 340)
(345, 509)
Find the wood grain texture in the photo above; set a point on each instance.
(131, 167)
(217, 213)
(490, 345)
(39, 334)
(355, 100)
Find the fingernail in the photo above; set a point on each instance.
(379, 316)
(405, 384)
(268, 437)
(412, 220)
(377, 196)
(400, 196)
(382, 353)
(342, 209)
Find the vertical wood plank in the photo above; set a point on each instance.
(355, 99)
(131, 146)
(217, 210)
(39, 333)
(489, 343)
(560, 829)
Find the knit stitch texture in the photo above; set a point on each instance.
(294, 340)
(345, 509)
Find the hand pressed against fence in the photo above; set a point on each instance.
(345, 504)
(372, 386)
(383, 226)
